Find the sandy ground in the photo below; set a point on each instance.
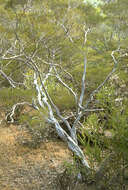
(25, 168)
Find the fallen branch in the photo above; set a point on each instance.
(10, 115)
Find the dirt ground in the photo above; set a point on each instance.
(26, 168)
(29, 162)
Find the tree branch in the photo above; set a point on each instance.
(9, 116)
(84, 108)
(62, 134)
(11, 82)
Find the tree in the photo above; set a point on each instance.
(49, 48)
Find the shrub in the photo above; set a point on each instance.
(62, 97)
(11, 96)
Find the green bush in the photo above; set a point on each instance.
(91, 138)
(62, 98)
(11, 96)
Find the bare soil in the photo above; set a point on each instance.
(25, 168)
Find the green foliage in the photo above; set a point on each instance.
(14, 70)
(34, 120)
(91, 138)
(93, 75)
(61, 97)
(71, 168)
(105, 97)
(9, 96)
(107, 130)
(35, 126)
(42, 27)
(119, 120)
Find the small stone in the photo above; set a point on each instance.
(108, 134)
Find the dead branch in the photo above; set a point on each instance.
(84, 108)
(62, 134)
(10, 115)
(11, 82)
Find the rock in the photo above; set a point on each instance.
(108, 134)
